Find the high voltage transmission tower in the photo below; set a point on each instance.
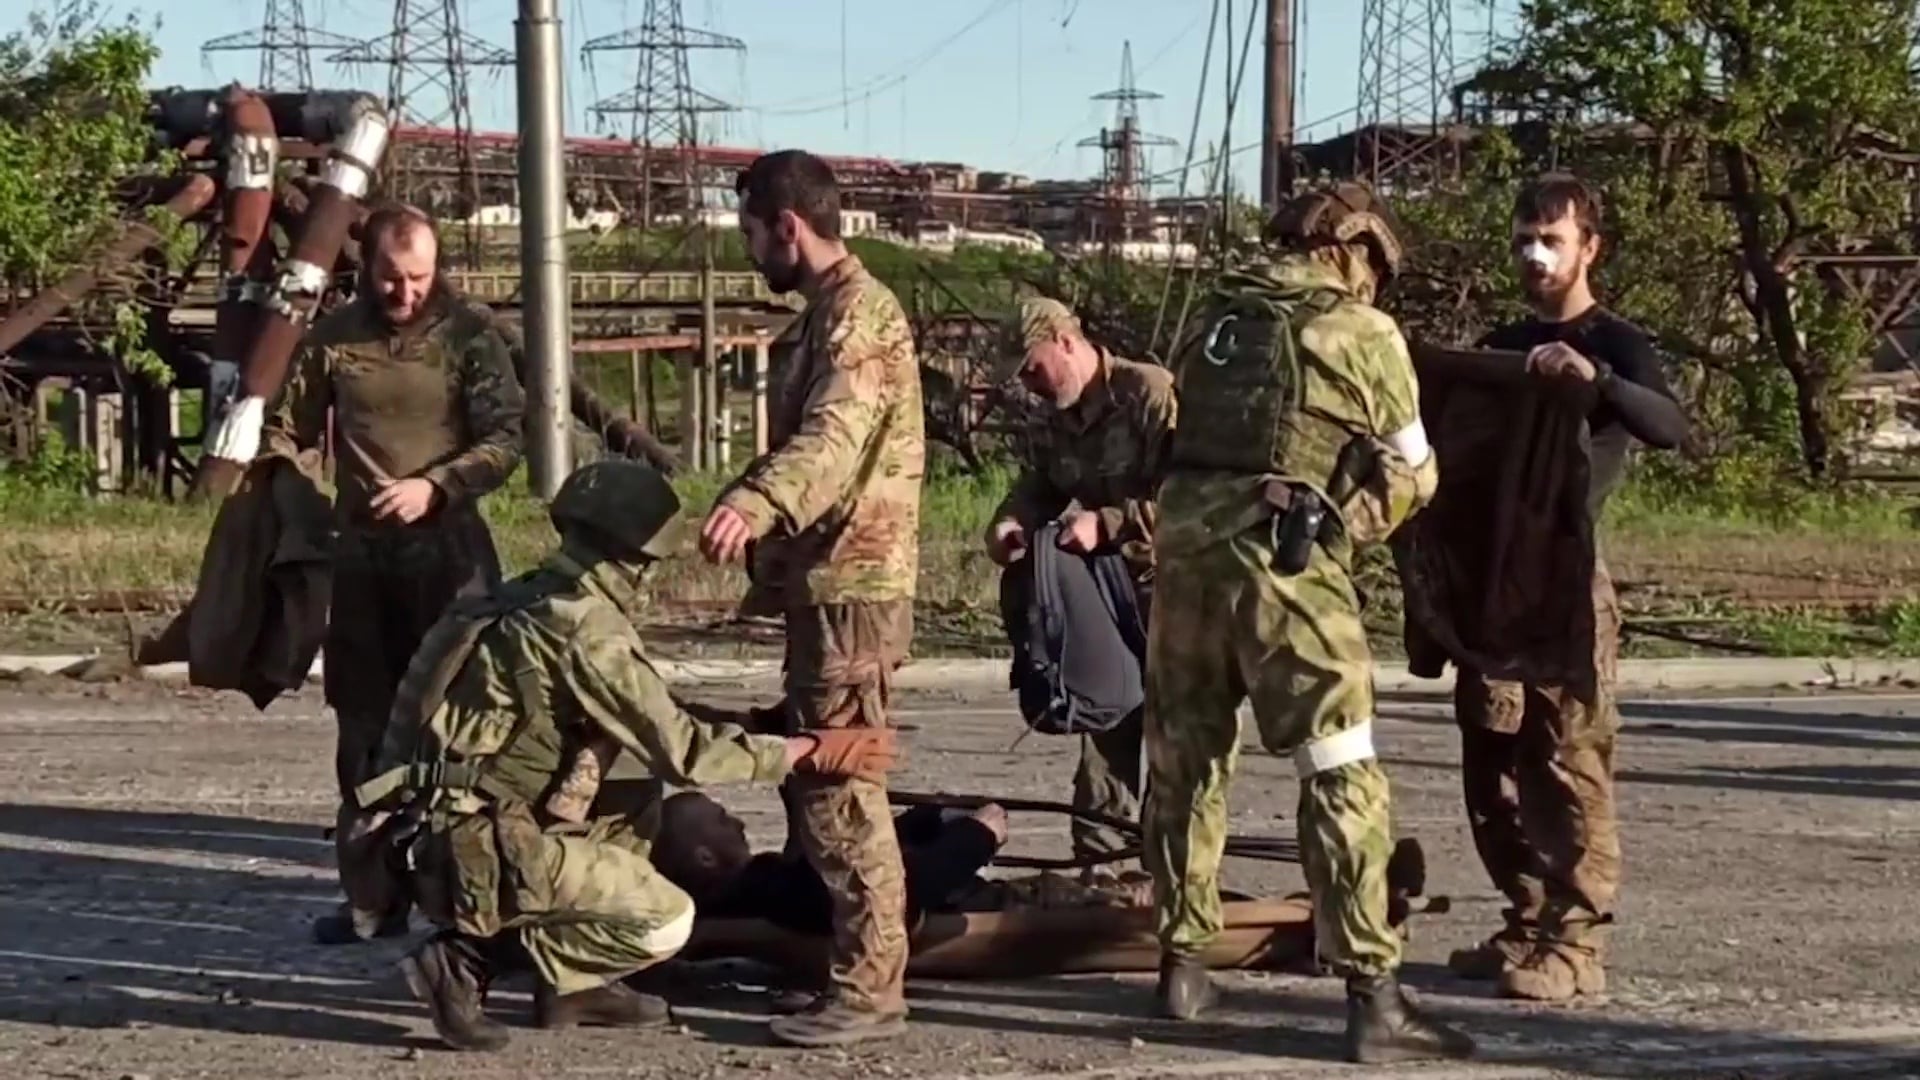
(1406, 85)
(663, 102)
(1124, 182)
(285, 42)
(428, 59)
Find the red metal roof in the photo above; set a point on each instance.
(718, 155)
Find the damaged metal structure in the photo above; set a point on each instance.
(276, 186)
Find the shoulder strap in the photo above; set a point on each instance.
(1050, 607)
(1116, 585)
(479, 613)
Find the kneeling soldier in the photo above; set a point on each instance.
(513, 706)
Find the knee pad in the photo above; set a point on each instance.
(670, 936)
(1330, 752)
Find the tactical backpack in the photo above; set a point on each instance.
(1241, 370)
(1079, 639)
(465, 756)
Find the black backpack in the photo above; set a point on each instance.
(1079, 642)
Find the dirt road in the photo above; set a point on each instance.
(162, 857)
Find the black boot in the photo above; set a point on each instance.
(1383, 1026)
(1186, 990)
(612, 1005)
(342, 928)
(447, 973)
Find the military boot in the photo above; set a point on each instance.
(1384, 1027)
(343, 928)
(1185, 990)
(447, 973)
(829, 1021)
(1556, 971)
(1497, 955)
(612, 1005)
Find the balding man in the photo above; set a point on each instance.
(1095, 464)
(427, 418)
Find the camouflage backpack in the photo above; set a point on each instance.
(427, 747)
(1239, 376)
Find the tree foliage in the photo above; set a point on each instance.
(73, 132)
(1757, 136)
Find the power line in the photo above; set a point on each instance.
(807, 106)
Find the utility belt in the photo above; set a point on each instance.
(1296, 517)
(435, 782)
(1301, 518)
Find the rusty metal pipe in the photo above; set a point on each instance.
(250, 150)
(290, 300)
(194, 194)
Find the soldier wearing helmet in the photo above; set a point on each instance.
(477, 795)
(1299, 442)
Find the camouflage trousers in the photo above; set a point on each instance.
(839, 672)
(586, 905)
(1228, 627)
(1537, 772)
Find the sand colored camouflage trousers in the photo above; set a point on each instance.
(587, 905)
(1537, 772)
(1228, 627)
(839, 673)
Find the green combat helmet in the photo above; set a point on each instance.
(1346, 212)
(623, 502)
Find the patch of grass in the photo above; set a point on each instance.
(1835, 576)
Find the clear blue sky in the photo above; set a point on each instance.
(1000, 84)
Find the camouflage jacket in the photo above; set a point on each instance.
(1106, 454)
(437, 399)
(1359, 376)
(573, 628)
(835, 503)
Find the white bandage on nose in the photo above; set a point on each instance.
(1541, 256)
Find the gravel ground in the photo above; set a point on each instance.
(163, 856)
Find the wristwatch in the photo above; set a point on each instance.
(1603, 378)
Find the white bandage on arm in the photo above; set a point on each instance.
(1410, 443)
(238, 436)
(1333, 751)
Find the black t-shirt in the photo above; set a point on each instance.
(789, 892)
(1636, 402)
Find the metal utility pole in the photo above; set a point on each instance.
(1276, 159)
(543, 244)
(711, 386)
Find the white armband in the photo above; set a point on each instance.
(236, 437)
(1410, 442)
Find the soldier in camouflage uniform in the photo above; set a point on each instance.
(1094, 466)
(512, 696)
(832, 513)
(1300, 440)
(427, 418)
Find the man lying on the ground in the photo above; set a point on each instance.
(703, 849)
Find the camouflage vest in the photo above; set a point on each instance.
(1240, 379)
(471, 750)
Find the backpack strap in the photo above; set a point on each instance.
(1116, 586)
(531, 699)
(1051, 607)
